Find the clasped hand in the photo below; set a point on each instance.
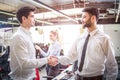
(52, 60)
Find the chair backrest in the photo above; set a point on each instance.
(4, 63)
(2, 49)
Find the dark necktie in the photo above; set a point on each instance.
(83, 53)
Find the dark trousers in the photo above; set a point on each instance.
(100, 77)
(52, 70)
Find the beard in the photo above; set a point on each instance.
(87, 24)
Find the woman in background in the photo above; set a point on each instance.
(54, 50)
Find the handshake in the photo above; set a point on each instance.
(52, 60)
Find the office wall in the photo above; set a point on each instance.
(113, 30)
(5, 34)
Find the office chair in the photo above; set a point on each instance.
(4, 64)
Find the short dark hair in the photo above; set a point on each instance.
(92, 11)
(24, 11)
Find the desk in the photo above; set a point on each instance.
(64, 73)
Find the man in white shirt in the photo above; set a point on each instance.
(99, 54)
(22, 52)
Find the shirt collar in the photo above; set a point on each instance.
(25, 30)
(93, 32)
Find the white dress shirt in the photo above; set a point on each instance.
(22, 56)
(54, 49)
(99, 55)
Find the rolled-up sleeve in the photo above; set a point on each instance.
(111, 64)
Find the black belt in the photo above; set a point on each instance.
(100, 77)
